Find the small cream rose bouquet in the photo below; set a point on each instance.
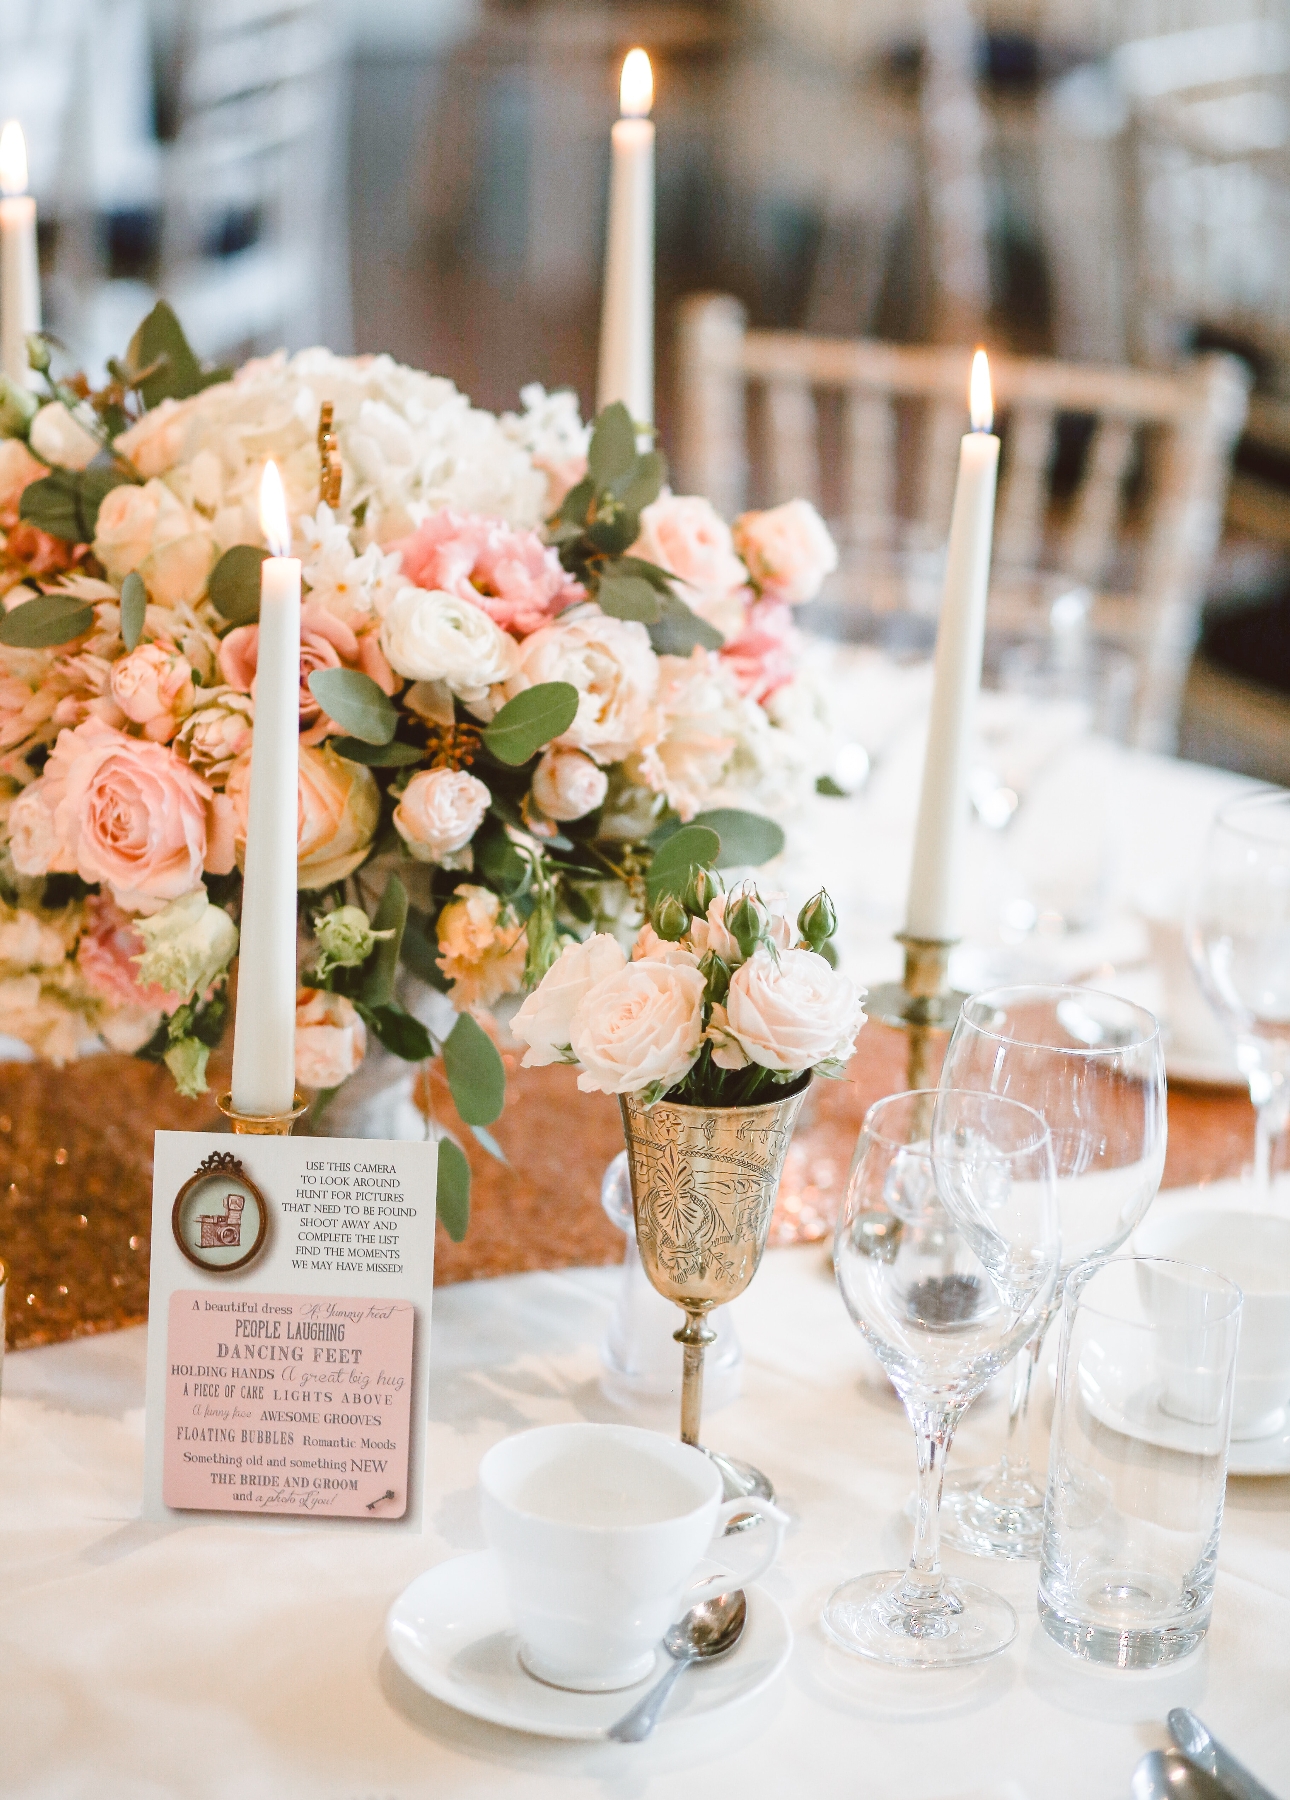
(532, 682)
(720, 1004)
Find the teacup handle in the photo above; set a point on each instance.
(761, 1512)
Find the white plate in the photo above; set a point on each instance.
(1136, 1412)
(450, 1632)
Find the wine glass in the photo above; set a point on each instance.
(943, 1315)
(1238, 933)
(1091, 1064)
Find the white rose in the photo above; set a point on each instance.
(650, 947)
(186, 945)
(441, 810)
(58, 436)
(791, 1012)
(437, 637)
(545, 1020)
(567, 784)
(710, 933)
(156, 442)
(133, 521)
(788, 550)
(615, 671)
(641, 1028)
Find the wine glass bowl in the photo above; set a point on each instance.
(942, 1320)
(1091, 1064)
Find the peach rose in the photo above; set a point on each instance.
(18, 469)
(326, 642)
(153, 686)
(133, 522)
(107, 956)
(216, 733)
(331, 1039)
(640, 1028)
(685, 534)
(439, 813)
(120, 811)
(156, 443)
(788, 550)
(339, 805)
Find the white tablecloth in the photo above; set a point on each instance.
(142, 1662)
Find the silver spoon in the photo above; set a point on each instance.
(1167, 1775)
(1194, 1738)
(712, 1628)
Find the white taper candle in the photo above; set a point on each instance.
(933, 909)
(19, 264)
(264, 1035)
(627, 315)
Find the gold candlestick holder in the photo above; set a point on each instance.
(922, 1004)
(261, 1124)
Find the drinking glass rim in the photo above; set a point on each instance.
(1243, 804)
(934, 1095)
(1062, 989)
(1218, 1284)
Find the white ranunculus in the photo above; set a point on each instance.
(567, 784)
(545, 1021)
(641, 1028)
(437, 637)
(615, 671)
(792, 1012)
(439, 813)
(186, 945)
(58, 436)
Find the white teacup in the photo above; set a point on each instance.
(598, 1530)
(1253, 1250)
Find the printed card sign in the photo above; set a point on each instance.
(289, 1327)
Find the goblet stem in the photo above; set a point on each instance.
(1270, 1092)
(1012, 1481)
(920, 1596)
(694, 1337)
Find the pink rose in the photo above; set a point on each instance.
(439, 813)
(153, 686)
(512, 575)
(788, 550)
(326, 642)
(687, 536)
(106, 957)
(331, 1039)
(339, 805)
(761, 658)
(18, 469)
(119, 810)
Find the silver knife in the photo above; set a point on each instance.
(1198, 1744)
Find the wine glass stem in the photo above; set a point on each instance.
(1015, 1465)
(933, 1431)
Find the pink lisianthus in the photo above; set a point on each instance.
(762, 657)
(512, 575)
(106, 956)
(119, 810)
(326, 642)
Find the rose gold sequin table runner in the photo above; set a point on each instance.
(76, 1174)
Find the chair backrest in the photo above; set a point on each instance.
(869, 432)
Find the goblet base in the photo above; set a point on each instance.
(868, 1616)
(740, 1480)
(988, 1514)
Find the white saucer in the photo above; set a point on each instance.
(450, 1632)
(1137, 1413)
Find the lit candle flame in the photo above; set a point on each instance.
(636, 89)
(13, 159)
(980, 398)
(273, 512)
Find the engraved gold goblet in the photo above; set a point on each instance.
(704, 1181)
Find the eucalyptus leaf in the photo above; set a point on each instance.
(160, 348)
(377, 756)
(679, 630)
(497, 859)
(355, 702)
(234, 585)
(381, 965)
(476, 1074)
(629, 597)
(47, 620)
(65, 503)
(573, 508)
(134, 609)
(452, 1192)
(419, 950)
(643, 482)
(397, 1030)
(692, 846)
(612, 451)
(531, 720)
(614, 530)
(648, 571)
(747, 839)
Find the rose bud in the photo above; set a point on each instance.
(670, 919)
(716, 975)
(817, 921)
(746, 918)
(700, 891)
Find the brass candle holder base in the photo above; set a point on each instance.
(258, 1124)
(921, 1004)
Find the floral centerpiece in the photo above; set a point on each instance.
(536, 687)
